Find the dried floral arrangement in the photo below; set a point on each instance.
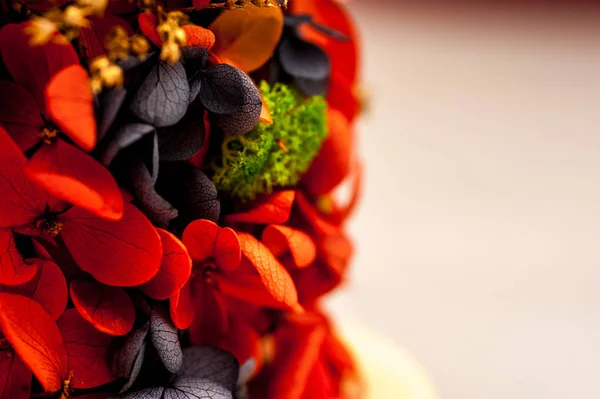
(168, 213)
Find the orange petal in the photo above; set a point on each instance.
(274, 277)
(13, 269)
(197, 36)
(22, 201)
(183, 307)
(124, 253)
(69, 101)
(333, 158)
(108, 309)
(275, 209)
(205, 240)
(15, 378)
(86, 350)
(265, 113)
(175, 269)
(33, 66)
(73, 175)
(48, 287)
(35, 338)
(247, 38)
(281, 239)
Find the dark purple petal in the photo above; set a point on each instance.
(163, 98)
(310, 87)
(109, 104)
(163, 335)
(186, 388)
(303, 60)
(184, 139)
(127, 360)
(226, 90)
(207, 362)
(125, 136)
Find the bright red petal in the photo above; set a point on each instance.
(334, 157)
(281, 239)
(204, 240)
(124, 253)
(336, 251)
(275, 209)
(109, 309)
(182, 306)
(275, 278)
(22, 201)
(20, 115)
(48, 287)
(342, 96)
(13, 269)
(33, 66)
(316, 221)
(175, 269)
(69, 101)
(86, 351)
(15, 378)
(35, 338)
(148, 22)
(73, 175)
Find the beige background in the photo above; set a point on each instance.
(479, 232)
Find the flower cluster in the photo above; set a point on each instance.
(168, 217)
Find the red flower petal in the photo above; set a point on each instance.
(35, 338)
(15, 378)
(340, 213)
(124, 253)
(175, 269)
(182, 306)
(44, 5)
(20, 115)
(312, 216)
(86, 350)
(335, 251)
(33, 66)
(109, 309)
(69, 102)
(22, 201)
(48, 287)
(148, 22)
(243, 342)
(73, 175)
(205, 240)
(92, 40)
(210, 322)
(275, 209)
(197, 36)
(200, 3)
(198, 158)
(334, 157)
(121, 6)
(275, 278)
(13, 269)
(281, 239)
(341, 96)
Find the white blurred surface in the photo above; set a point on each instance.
(479, 232)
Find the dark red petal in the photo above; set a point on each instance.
(175, 269)
(86, 350)
(92, 40)
(22, 201)
(281, 239)
(204, 240)
(109, 309)
(274, 277)
(20, 115)
(44, 5)
(69, 102)
(243, 342)
(211, 322)
(273, 210)
(182, 306)
(15, 378)
(73, 175)
(48, 287)
(13, 269)
(199, 158)
(147, 22)
(35, 338)
(33, 66)
(124, 253)
(332, 164)
(121, 6)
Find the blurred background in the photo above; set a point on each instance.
(478, 235)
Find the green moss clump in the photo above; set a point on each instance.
(274, 155)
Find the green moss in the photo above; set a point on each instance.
(276, 155)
